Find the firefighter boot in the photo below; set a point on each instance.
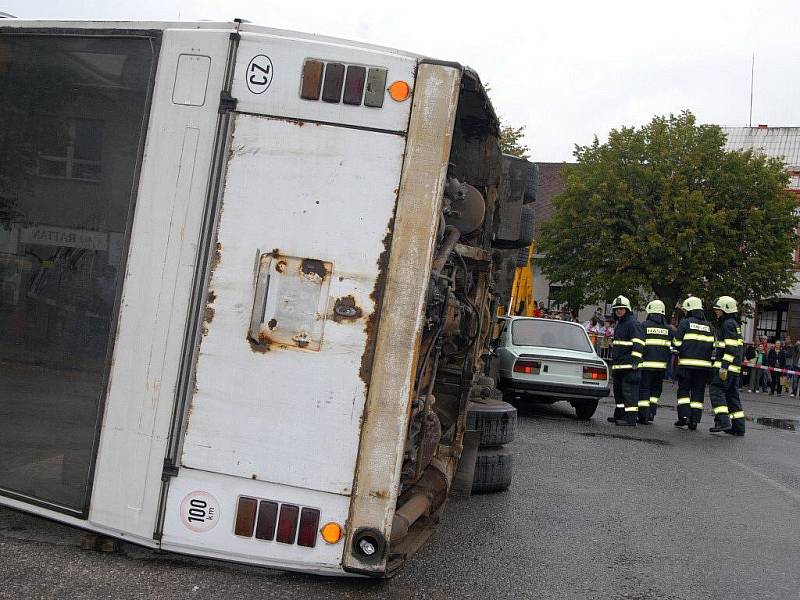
(721, 423)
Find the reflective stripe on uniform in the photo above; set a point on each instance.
(653, 399)
(696, 405)
(656, 342)
(735, 369)
(631, 409)
(731, 342)
(717, 364)
(683, 401)
(644, 403)
(693, 362)
(700, 337)
(719, 410)
(637, 341)
(719, 344)
(620, 405)
(636, 354)
(727, 358)
(616, 367)
(739, 414)
(653, 364)
(622, 343)
(676, 343)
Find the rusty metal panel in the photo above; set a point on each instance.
(417, 218)
(308, 206)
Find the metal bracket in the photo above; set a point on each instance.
(227, 103)
(169, 470)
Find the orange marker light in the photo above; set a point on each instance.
(399, 91)
(331, 532)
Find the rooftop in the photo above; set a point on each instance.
(779, 142)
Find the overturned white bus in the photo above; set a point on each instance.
(247, 289)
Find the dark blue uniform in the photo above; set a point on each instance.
(627, 352)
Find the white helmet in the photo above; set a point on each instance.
(656, 307)
(692, 303)
(621, 302)
(726, 304)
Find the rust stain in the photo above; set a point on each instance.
(346, 309)
(312, 267)
(273, 323)
(281, 266)
(208, 314)
(263, 344)
(381, 494)
(275, 253)
(371, 326)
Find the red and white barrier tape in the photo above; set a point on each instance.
(770, 369)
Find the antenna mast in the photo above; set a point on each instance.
(752, 71)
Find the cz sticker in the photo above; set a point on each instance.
(259, 74)
(199, 511)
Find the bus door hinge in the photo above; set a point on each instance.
(227, 103)
(170, 470)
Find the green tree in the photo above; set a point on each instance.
(664, 211)
(511, 141)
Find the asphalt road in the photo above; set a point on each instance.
(595, 511)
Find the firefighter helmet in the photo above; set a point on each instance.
(726, 304)
(621, 302)
(656, 307)
(692, 303)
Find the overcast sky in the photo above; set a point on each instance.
(566, 70)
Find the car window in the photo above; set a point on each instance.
(552, 334)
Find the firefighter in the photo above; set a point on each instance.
(695, 344)
(658, 334)
(627, 349)
(724, 388)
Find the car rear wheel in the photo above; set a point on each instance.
(584, 409)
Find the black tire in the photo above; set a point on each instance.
(531, 180)
(523, 254)
(494, 468)
(584, 409)
(495, 419)
(526, 225)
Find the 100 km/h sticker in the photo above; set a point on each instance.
(199, 511)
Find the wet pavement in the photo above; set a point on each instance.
(595, 511)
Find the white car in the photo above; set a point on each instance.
(544, 360)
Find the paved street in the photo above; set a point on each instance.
(595, 511)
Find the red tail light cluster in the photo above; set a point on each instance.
(529, 367)
(349, 84)
(270, 521)
(595, 373)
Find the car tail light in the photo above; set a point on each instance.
(529, 367)
(307, 532)
(287, 524)
(595, 373)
